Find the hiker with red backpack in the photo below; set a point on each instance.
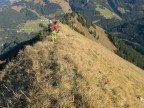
(52, 29)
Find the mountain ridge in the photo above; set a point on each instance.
(72, 72)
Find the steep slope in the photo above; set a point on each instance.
(83, 25)
(104, 40)
(101, 36)
(73, 72)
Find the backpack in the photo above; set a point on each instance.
(51, 29)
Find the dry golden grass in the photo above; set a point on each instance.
(76, 72)
(103, 38)
(107, 80)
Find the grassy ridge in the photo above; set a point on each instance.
(74, 72)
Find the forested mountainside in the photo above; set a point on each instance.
(128, 9)
(109, 13)
(132, 33)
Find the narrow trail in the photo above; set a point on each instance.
(54, 76)
(63, 81)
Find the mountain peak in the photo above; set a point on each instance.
(72, 72)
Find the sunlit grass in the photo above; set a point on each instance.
(106, 12)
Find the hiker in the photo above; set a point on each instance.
(52, 29)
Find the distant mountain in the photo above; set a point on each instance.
(4, 3)
(128, 9)
(98, 11)
(132, 33)
(43, 7)
(109, 13)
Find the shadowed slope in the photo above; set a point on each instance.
(74, 72)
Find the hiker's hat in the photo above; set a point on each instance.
(50, 21)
